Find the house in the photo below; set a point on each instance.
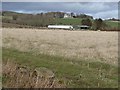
(67, 15)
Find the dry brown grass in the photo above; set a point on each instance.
(18, 76)
(82, 45)
(0, 56)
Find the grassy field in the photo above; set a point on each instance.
(78, 74)
(113, 24)
(100, 46)
(68, 21)
(78, 58)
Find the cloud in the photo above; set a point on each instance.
(107, 14)
(29, 12)
(61, 1)
(93, 8)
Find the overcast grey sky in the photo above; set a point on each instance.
(96, 9)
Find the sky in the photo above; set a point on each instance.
(102, 10)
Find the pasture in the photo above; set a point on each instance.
(78, 58)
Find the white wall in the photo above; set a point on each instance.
(61, 26)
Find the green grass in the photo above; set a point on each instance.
(68, 21)
(74, 73)
(112, 24)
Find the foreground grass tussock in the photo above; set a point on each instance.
(18, 76)
(70, 72)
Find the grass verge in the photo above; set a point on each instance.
(76, 74)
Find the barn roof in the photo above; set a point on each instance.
(83, 26)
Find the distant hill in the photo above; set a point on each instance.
(41, 19)
(45, 19)
(48, 14)
(9, 13)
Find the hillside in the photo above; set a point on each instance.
(45, 19)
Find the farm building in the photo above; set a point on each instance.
(81, 27)
(60, 27)
(70, 27)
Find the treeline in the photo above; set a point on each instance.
(113, 19)
(97, 24)
(83, 16)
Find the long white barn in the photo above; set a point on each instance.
(60, 26)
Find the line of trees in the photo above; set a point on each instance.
(97, 24)
(83, 16)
